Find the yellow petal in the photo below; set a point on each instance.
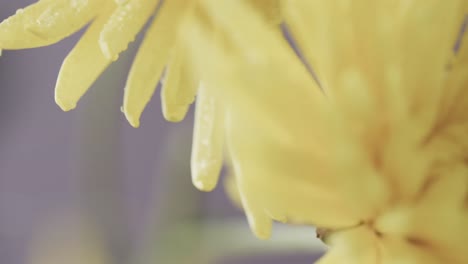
(453, 98)
(208, 139)
(83, 65)
(398, 250)
(231, 188)
(259, 221)
(178, 89)
(309, 26)
(151, 59)
(124, 24)
(427, 78)
(121, 2)
(46, 22)
(355, 246)
(437, 221)
(270, 9)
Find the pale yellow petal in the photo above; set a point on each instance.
(208, 140)
(453, 102)
(444, 20)
(123, 26)
(446, 229)
(355, 246)
(259, 221)
(309, 24)
(46, 22)
(231, 188)
(178, 89)
(83, 65)
(121, 2)
(437, 221)
(270, 9)
(399, 250)
(151, 59)
(63, 17)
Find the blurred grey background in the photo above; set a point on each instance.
(85, 187)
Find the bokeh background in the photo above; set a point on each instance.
(85, 187)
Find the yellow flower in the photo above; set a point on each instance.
(376, 155)
(113, 25)
(379, 157)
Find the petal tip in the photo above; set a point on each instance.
(204, 186)
(260, 225)
(263, 234)
(134, 120)
(205, 174)
(173, 118)
(64, 104)
(174, 113)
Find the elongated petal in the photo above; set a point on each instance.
(453, 98)
(232, 189)
(259, 221)
(208, 141)
(46, 22)
(309, 31)
(397, 250)
(83, 65)
(124, 24)
(270, 9)
(151, 59)
(179, 88)
(355, 246)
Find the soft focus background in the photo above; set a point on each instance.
(85, 187)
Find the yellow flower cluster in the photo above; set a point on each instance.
(377, 155)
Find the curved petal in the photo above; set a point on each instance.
(270, 9)
(355, 246)
(151, 59)
(259, 221)
(46, 22)
(398, 250)
(178, 89)
(208, 141)
(123, 25)
(83, 65)
(232, 189)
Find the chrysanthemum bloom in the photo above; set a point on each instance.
(379, 158)
(112, 26)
